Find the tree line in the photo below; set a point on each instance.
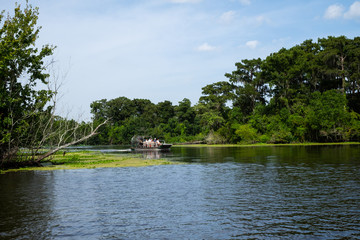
(307, 93)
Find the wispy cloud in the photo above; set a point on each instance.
(245, 2)
(281, 41)
(205, 47)
(252, 44)
(255, 21)
(334, 11)
(227, 17)
(354, 11)
(261, 19)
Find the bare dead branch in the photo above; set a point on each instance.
(93, 133)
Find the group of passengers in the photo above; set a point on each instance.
(150, 143)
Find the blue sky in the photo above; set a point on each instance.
(170, 49)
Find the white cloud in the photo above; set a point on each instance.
(252, 44)
(354, 11)
(245, 2)
(227, 17)
(334, 11)
(205, 47)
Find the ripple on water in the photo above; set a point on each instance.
(227, 200)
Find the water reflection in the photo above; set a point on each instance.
(156, 154)
(267, 155)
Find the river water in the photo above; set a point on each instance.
(221, 193)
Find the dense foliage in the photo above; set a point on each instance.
(27, 105)
(310, 92)
(21, 69)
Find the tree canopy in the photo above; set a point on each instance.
(309, 92)
(27, 104)
(22, 67)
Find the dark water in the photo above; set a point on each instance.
(223, 193)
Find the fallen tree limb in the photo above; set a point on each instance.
(51, 152)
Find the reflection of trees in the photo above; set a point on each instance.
(26, 205)
(276, 155)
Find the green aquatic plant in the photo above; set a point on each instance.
(92, 159)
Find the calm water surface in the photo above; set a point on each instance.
(222, 193)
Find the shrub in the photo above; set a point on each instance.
(247, 133)
(281, 136)
(264, 138)
(214, 138)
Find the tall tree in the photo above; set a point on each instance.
(27, 114)
(184, 111)
(216, 95)
(354, 66)
(354, 75)
(22, 67)
(165, 111)
(334, 54)
(248, 85)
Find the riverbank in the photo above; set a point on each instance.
(266, 144)
(91, 159)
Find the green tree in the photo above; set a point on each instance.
(209, 119)
(184, 111)
(334, 54)
(353, 93)
(99, 109)
(328, 117)
(216, 95)
(285, 73)
(121, 108)
(165, 110)
(249, 87)
(22, 68)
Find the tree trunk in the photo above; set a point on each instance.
(343, 83)
(93, 133)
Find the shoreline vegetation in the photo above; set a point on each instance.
(90, 160)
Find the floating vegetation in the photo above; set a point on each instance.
(93, 159)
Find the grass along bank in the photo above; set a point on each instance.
(92, 159)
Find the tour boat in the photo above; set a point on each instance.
(140, 143)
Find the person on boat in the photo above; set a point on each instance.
(145, 144)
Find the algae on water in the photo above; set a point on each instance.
(93, 159)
